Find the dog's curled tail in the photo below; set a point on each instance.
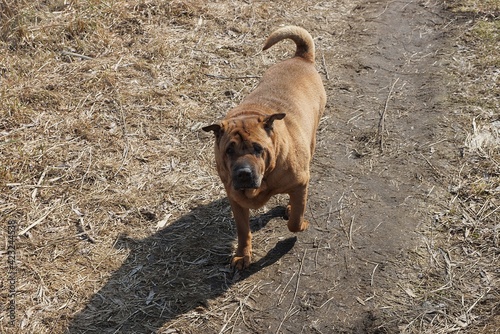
(303, 40)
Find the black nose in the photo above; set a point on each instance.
(244, 174)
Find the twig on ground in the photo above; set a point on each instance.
(326, 68)
(280, 300)
(39, 183)
(222, 77)
(477, 300)
(38, 221)
(381, 122)
(312, 215)
(289, 311)
(317, 252)
(490, 213)
(73, 54)
(329, 213)
(88, 168)
(432, 166)
(327, 301)
(227, 322)
(81, 225)
(350, 233)
(242, 302)
(125, 138)
(373, 274)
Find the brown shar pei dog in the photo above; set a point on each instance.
(264, 146)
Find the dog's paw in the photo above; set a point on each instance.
(294, 227)
(286, 215)
(241, 262)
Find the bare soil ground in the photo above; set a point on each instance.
(122, 225)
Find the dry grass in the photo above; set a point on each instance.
(92, 149)
(101, 155)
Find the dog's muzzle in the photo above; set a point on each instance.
(244, 177)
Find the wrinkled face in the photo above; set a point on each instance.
(244, 150)
(245, 155)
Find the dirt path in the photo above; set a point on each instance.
(377, 142)
(371, 180)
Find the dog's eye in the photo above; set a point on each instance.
(257, 149)
(230, 150)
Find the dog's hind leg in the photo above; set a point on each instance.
(296, 209)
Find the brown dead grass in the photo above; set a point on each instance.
(95, 148)
(100, 146)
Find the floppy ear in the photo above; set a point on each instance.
(214, 127)
(269, 120)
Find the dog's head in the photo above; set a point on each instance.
(244, 149)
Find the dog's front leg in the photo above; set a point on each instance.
(243, 254)
(296, 209)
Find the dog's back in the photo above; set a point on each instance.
(293, 86)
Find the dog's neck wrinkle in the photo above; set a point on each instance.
(281, 149)
(248, 110)
(239, 125)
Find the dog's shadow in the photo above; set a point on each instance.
(173, 271)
